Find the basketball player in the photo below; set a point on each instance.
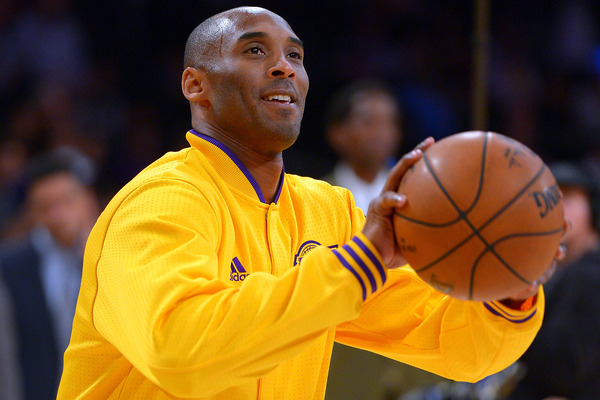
(215, 275)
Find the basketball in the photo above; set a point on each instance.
(484, 216)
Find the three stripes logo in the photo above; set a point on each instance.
(238, 272)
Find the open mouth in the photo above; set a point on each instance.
(280, 98)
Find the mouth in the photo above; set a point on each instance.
(280, 98)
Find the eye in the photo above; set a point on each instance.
(295, 54)
(255, 50)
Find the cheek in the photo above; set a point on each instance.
(230, 88)
(302, 82)
(578, 211)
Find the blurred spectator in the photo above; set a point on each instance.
(43, 42)
(564, 359)
(42, 272)
(10, 379)
(13, 160)
(363, 128)
(541, 85)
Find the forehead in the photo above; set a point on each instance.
(52, 186)
(248, 23)
(370, 100)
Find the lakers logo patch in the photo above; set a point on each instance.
(305, 248)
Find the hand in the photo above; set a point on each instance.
(379, 228)
(534, 286)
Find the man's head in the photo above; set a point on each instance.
(363, 123)
(581, 199)
(245, 79)
(60, 197)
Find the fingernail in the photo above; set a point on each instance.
(562, 252)
(424, 142)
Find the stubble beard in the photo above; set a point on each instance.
(269, 134)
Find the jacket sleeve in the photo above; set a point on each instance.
(461, 340)
(161, 304)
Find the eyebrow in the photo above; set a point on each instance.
(252, 35)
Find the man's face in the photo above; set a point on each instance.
(578, 210)
(259, 83)
(62, 205)
(372, 129)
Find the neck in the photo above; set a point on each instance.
(265, 169)
(267, 175)
(366, 171)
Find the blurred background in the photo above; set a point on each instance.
(103, 77)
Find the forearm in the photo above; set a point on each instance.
(206, 335)
(461, 340)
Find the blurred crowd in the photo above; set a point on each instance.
(103, 78)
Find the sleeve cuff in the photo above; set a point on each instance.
(360, 257)
(521, 305)
(512, 315)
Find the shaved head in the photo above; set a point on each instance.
(245, 78)
(204, 43)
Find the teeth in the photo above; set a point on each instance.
(280, 97)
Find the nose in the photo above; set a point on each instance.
(281, 69)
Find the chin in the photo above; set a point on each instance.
(288, 138)
(284, 133)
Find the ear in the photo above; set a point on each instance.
(194, 85)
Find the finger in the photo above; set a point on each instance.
(547, 275)
(398, 171)
(526, 293)
(425, 144)
(387, 202)
(534, 286)
(561, 253)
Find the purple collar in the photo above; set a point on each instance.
(242, 167)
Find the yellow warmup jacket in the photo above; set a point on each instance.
(193, 287)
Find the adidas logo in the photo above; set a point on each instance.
(238, 272)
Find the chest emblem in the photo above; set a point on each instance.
(238, 272)
(305, 248)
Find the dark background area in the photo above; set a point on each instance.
(105, 76)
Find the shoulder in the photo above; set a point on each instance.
(17, 253)
(175, 184)
(183, 169)
(586, 270)
(183, 165)
(576, 283)
(19, 263)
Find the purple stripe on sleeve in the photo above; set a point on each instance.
(503, 312)
(241, 166)
(372, 257)
(356, 275)
(515, 320)
(363, 266)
